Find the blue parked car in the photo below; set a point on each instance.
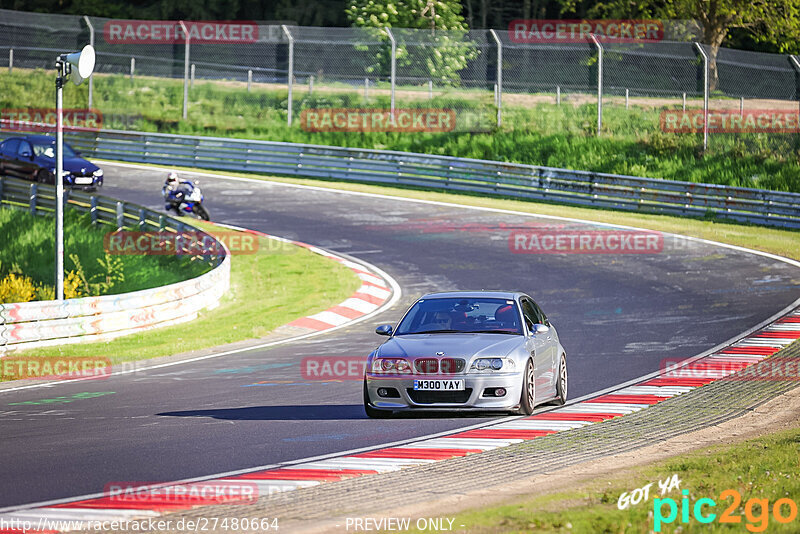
(33, 157)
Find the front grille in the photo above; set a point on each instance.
(428, 366)
(447, 366)
(451, 366)
(439, 397)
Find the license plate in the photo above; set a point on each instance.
(439, 385)
(83, 180)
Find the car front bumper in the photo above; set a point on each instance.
(472, 398)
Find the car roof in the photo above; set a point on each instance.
(474, 294)
(35, 138)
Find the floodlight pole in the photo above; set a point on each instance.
(63, 70)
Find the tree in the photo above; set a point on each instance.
(770, 21)
(440, 54)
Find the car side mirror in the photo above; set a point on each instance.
(540, 329)
(384, 330)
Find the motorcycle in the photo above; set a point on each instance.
(186, 198)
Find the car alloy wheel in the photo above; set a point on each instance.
(561, 385)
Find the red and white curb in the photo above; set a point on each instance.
(743, 353)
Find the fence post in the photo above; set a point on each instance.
(185, 69)
(627, 94)
(142, 219)
(599, 82)
(499, 97)
(796, 64)
(684, 101)
(93, 209)
(366, 88)
(161, 223)
(33, 197)
(10, 60)
(394, 65)
(311, 84)
(558, 95)
(91, 42)
(291, 71)
(133, 66)
(120, 216)
(699, 48)
(249, 79)
(191, 76)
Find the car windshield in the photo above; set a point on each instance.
(462, 315)
(48, 150)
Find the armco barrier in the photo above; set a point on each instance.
(36, 324)
(583, 188)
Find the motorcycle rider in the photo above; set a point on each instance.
(174, 190)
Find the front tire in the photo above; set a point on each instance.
(372, 412)
(527, 398)
(45, 177)
(201, 212)
(562, 383)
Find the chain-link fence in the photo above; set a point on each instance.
(253, 78)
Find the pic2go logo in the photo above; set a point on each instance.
(756, 511)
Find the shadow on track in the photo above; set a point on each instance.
(313, 412)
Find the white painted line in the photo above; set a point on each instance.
(660, 391)
(374, 291)
(542, 424)
(593, 407)
(783, 327)
(751, 342)
(460, 443)
(370, 278)
(359, 305)
(332, 318)
(267, 486)
(338, 463)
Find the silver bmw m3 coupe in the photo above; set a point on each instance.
(467, 350)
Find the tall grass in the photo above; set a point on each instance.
(541, 133)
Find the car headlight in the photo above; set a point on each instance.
(390, 365)
(98, 173)
(492, 364)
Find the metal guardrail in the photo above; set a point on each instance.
(42, 323)
(650, 195)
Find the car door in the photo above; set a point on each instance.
(25, 165)
(9, 156)
(551, 339)
(538, 347)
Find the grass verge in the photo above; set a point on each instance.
(762, 469)
(28, 248)
(272, 287)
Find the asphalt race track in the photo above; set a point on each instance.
(618, 315)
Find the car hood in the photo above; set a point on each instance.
(465, 345)
(73, 165)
